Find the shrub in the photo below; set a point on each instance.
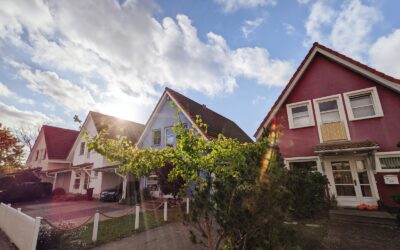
(308, 190)
(6, 182)
(59, 192)
(48, 238)
(26, 191)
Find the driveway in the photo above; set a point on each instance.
(71, 211)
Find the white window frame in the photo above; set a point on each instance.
(342, 114)
(375, 102)
(379, 155)
(82, 148)
(152, 137)
(165, 137)
(289, 108)
(303, 159)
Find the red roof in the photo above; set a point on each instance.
(335, 53)
(59, 141)
(216, 123)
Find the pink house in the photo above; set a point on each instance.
(342, 118)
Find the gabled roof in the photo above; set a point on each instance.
(216, 123)
(368, 72)
(58, 141)
(116, 126)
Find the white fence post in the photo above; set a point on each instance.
(19, 210)
(137, 212)
(95, 226)
(187, 205)
(165, 210)
(36, 232)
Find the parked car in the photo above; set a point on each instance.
(26, 191)
(112, 194)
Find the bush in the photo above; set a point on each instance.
(26, 191)
(58, 192)
(48, 238)
(308, 190)
(6, 182)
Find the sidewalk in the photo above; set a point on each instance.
(168, 237)
(5, 243)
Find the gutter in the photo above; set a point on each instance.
(346, 150)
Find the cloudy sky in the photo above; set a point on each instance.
(61, 58)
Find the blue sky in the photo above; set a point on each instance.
(60, 58)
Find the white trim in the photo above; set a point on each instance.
(375, 102)
(289, 108)
(383, 155)
(392, 85)
(303, 159)
(342, 114)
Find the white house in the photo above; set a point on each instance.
(49, 155)
(88, 168)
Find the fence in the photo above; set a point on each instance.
(22, 229)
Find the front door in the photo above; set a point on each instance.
(350, 180)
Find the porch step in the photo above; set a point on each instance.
(363, 217)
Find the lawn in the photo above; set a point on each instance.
(116, 228)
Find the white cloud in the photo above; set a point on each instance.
(129, 52)
(6, 92)
(303, 1)
(258, 99)
(289, 29)
(346, 30)
(233, 5)
(15, 118)
(249, 26)
(63, 92)
(352, 27)
(383, 54)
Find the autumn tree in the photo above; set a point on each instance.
(11, 150)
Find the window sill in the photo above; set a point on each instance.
(365, 118)
(305, 126)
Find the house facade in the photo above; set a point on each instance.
(158, 132)
(342, 118)
(49, 155)
(88, 168)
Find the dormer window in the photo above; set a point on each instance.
(363, 104)
(300, 115)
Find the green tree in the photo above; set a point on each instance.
(239, 198)
(11, 151)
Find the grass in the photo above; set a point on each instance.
(116, 228)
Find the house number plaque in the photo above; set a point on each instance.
(391, 179)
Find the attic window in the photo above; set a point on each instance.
(300, 115)
(44, 154)
(363, 104)
(156, 137)
(82, 148)
(37, 155)
(169, 137)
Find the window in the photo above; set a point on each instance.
(77, 181)
(306, 165)
(37, 155)
(156, 137)
(169, 137)
(88, 153)
(95, 173)
(329, 111)
(300, 115)
(86, 182)
(388, 161)
(44, 154)
(82, 148)
(363, 104)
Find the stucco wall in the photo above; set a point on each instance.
(325, 78)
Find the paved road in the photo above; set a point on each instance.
(169, 237)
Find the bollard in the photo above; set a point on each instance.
(137, 212)
(187, 205)
(165, 210)
(95, 226)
